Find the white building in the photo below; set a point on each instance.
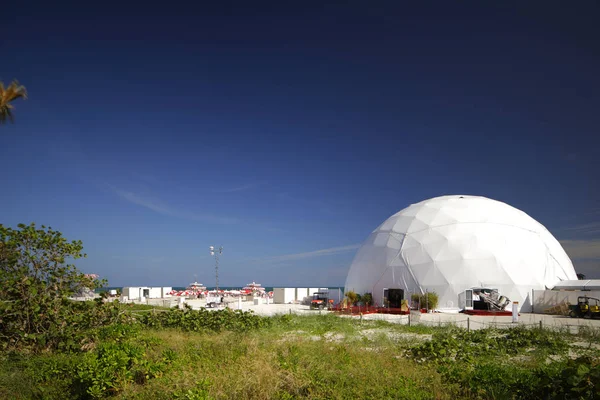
(142, 292)
(452, 243)
(284, 295)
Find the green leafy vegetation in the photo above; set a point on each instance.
(200, 320)
(35, 284)
(512, 363)
(428, 300)
(318, 356)
(352, 297)
(367, 299)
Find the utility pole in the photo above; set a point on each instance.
(216, 252)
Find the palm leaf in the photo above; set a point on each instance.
(13, 92)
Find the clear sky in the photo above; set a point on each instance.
(287, 133)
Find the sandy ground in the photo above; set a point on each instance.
(479, 322)
(462, 320)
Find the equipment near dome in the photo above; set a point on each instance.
(482, 299)
(586, 307)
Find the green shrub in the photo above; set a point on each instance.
(431, 300)
(367, 299)
(35, 285)
(427, 300)
(352, 297)
(482, 364)
(202, 320)
(415, 297)
(112, 366)
(451, 345)
(573, 378)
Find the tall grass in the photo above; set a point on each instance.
(290, 356)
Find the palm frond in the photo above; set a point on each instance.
(12, 92)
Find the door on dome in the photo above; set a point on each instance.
(394, 297)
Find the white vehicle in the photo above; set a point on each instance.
(213, 300)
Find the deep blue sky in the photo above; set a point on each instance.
(282, 130)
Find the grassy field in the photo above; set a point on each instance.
(317, 357)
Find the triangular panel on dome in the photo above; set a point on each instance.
(426, 214)
(476, 251)
(428, 236)
(442, 218)
(395, 240)
(417, 225)
(402, 223)
(558, 254)
(432, 276)
(415, 255)
(411, 211)
(445, 251)
(389, 223)
(381, 239)
(453, 271)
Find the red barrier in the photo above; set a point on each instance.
(357, 310)
(486, 312)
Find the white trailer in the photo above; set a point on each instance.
(143, 292)
(284, 295)
(136, 292)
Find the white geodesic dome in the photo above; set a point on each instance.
(452, 243)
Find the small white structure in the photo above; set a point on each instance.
(145, 292)
(284, 295)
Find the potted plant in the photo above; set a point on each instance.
(352, 297)
(367, 299)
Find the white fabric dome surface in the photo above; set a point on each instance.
(452, 243)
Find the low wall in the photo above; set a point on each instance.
(545, 299)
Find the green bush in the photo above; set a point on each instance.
(203, 320)
(35, 285)
(573, 378)
(481, 363)
(352, 297)
(367, 299)
(112, 366)
(427, 300)
(451, 345)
